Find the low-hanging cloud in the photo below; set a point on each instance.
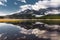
(53, 12)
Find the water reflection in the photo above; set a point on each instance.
(42, 30)
(13, 32)
(39, 25)
(29, 31)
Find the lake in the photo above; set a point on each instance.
(36, 30)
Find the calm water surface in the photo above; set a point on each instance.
(29, 31)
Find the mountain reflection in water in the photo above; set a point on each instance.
(29, 31)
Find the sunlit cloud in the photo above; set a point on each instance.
(41, 5)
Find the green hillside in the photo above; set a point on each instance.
(51, 16)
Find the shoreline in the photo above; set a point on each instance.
(24, 20)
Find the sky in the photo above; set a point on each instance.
(12, 6)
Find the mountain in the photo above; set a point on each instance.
(27, 14)
(30, 14)
(1, 17)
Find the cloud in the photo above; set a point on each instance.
(38, 5)
(22, 1)
(34, 7)
(54, 3)
(53, 12)
(2, 2)
(39, 15)
(24, 7)
(41, 5)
